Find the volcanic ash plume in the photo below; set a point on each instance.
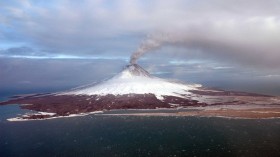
(153, 42)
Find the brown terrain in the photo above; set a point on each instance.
(65, 105)
(254, 113)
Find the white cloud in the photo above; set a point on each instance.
(246, 32)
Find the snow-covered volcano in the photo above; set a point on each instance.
(135, 80)
(134, 88)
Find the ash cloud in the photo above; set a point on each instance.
(235, 43)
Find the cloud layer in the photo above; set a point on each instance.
(236, 34)
(246, 32)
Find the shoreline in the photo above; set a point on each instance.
(18, 119)
(222, 111)
(203, 113)
(170, 115)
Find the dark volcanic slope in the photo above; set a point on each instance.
(64, 105)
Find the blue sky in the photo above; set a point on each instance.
(55, 45)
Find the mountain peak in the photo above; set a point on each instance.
(133, 70)
(135, 80)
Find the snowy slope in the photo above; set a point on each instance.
(135, 80)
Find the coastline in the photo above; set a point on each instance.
(232, 114)
(17, 119)
(219, 111)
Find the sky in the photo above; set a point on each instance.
(53, 45)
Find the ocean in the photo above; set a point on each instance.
(132, 136)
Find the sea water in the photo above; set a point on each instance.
(132, 136)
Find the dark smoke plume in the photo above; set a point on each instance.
(152, 42)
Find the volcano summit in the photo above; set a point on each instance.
(133, 88)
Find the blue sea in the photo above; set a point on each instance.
(132, 136)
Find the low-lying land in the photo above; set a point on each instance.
(231, 104)
(254, 113)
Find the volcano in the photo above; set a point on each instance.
(133, 88)
(134, 80)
